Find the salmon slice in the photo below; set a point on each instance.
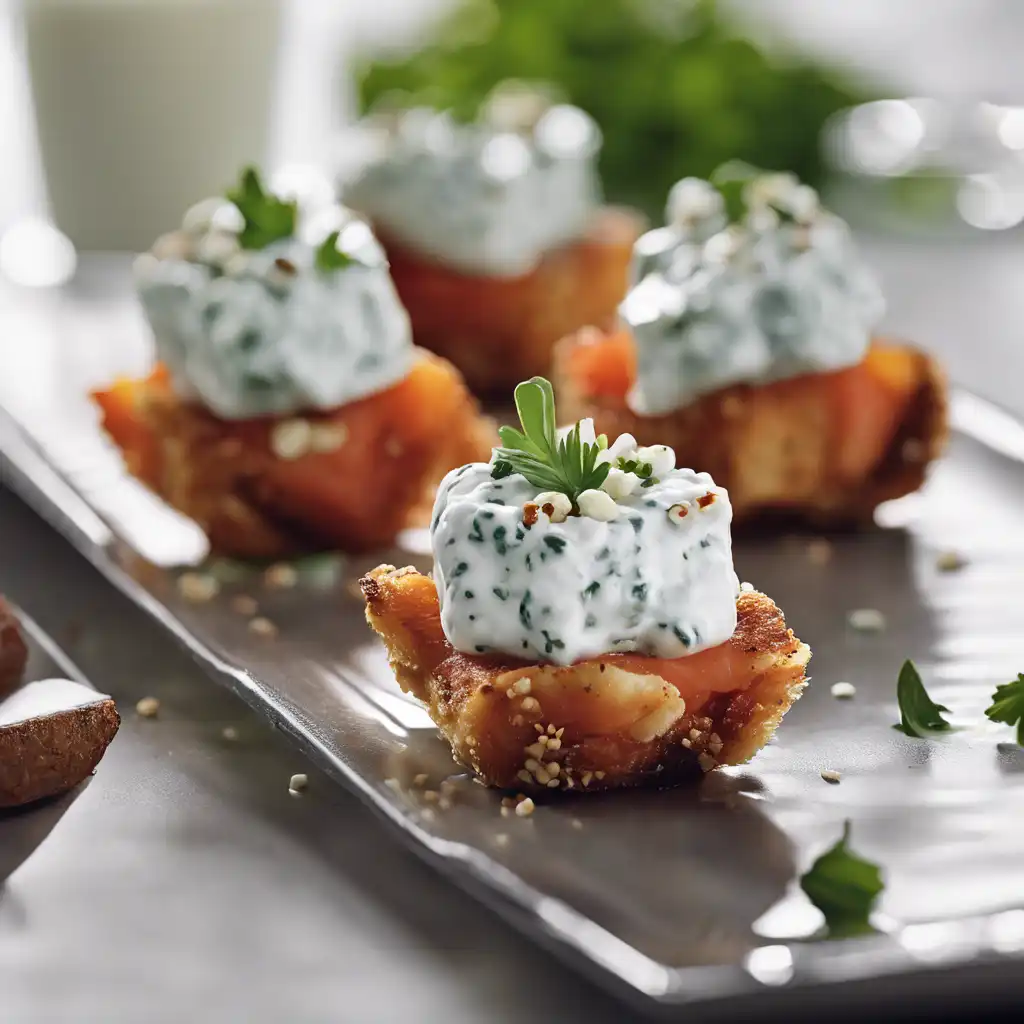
(827, 447)
(499, 330)
(618, 720)
(376, 476)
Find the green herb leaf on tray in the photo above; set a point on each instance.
(330, 257)
(919, 714)
(1008, 705)
(267, 218)
(844, 887)
(568, 465)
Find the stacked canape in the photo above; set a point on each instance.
(290, 411)
(498, 241)
(585, 628)
(747, 344)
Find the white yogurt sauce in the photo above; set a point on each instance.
(489, 198)
(654, 579)
(265, 332)
(780, 294)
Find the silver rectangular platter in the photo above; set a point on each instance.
(679, 897)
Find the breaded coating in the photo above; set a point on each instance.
(826, 448)
(614, 721)
(499, 331)
(348, 479)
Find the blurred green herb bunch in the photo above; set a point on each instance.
(675, 87)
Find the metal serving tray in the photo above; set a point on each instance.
(681, 897)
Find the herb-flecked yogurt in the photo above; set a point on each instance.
(266, 332)
(781, 292)
(488, 198)
(656, 579)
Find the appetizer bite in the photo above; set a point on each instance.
(287, 383)
(498, 241)
(584, 628)
(746, 343)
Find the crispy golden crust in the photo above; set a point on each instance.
(611, 722)
(252, 503)
(499, 331)
(793, 446)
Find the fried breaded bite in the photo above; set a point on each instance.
(826, 447)
(348, 479)
(500, 330)
(614, 721)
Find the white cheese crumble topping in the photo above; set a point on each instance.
(634, 574)
(265, 332)
(780, 294)
(488, 198)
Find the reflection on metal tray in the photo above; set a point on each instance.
(687, 896)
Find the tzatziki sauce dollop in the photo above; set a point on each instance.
(268, 332)
(648, 572)
(779, 293)
(489, 198)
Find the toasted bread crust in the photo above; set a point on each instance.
(547, 736)
(499, 331)
(251, 503)
(777, 447)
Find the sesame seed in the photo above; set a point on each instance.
(949, 561)
(262, 627)
(510, 693)
(420, 779)
(843, 691)
(532, 764)
(866, 620)
(685, 742)
(524, 776)
(747, 588)
(244, 605)
(706, 761)
(230, 733)
(695, 735)
(553, 783)
(522, 686)
(551, 730)
(535, 750)
(148, 707)
(327, 437)
(540, 774)
(553, 767)
(524, 808)
(297, 783)
(291, 439)
(576, 823)
(819, 551)
(831, 776)
(281, 576)
(598, 775)
(501, 839)
(558, 733)
(531, 704)
(198, 587)
(555, 744)
(587, 776)
(542, 740)
(538, 727)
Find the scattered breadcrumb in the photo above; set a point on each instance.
(148, 707)
(230, 733)
(949, 561)
(831, 776)
(297, 783)
(198, 587)
(245, 605)
(262, 626)
(843, 691)
(819, 551)
(866, 620)
(280, 576)
(524, 808)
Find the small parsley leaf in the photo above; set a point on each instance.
(919, 714)
(844, 887)
(330, 257)
(567, 465)
(266, 217)
(1008, 705)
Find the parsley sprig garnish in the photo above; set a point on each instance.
(919, 714)
(267, 218)
(568, 465)
(1008, 705)
(844, 887)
